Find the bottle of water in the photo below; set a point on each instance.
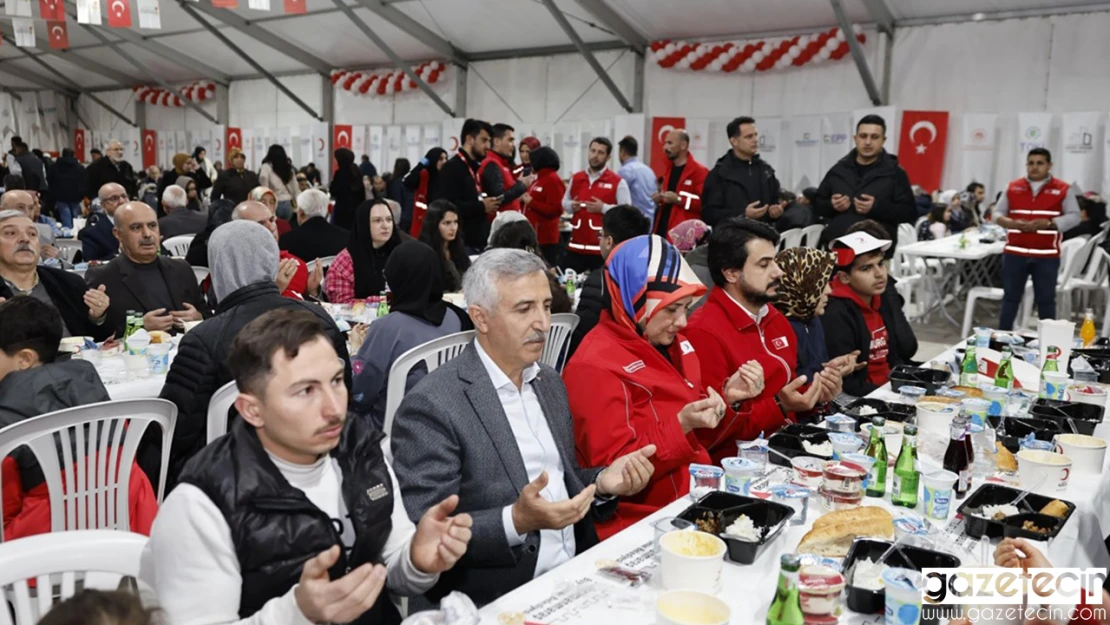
(383, 305)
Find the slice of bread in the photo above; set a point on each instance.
(833, 533)
(1006, 460)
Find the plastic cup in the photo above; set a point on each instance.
(136, 365)
(844, 443)
(977, 409)
(1055, 384)
(691, 560)
(911, 394)
(158, 358)
(840, 423)
(756, 451)
(668, 524)
(997, 396)
(863, 461)
(903, 596)
(937, 493)
(982, 338)
(739, 473)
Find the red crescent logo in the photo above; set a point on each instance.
(454, 144)
(321, 148)
(218, 144)
(149, 140)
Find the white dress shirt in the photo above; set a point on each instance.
(624, 195)
(539, 452)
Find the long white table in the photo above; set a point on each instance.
(974, 264)
(576, 593)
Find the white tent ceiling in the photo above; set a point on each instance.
(478, 29)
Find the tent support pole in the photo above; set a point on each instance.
(587, 54)
(857, 53)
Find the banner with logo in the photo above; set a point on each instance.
(923, 143)
(181, 143)
(770, 141)
(216, 143)
(978, 142)
(1033, 129)
(88, 12)
(376, 146)
(413, 146)
(150, 148)
(660, 126)
(1080, 161)
(805, 158)
(836, 139)
(394, 147)
(431, 139)
(321, 155)
(163, 156)
(119, 14)
(246, 135)
(132, 140)
(303, 146)
(358, 142)
(698, 129)
(889, 115)
(342, 138)
(451, 130)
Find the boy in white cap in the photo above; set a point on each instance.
(855, 310)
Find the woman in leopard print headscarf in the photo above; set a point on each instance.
(803, 293)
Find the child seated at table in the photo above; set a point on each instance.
(936, 224)
(32, 383)
(868, 320)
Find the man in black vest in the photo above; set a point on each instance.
(294, 515)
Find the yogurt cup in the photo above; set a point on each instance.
(997, 396)
(1087, 394)
(835, 500)
(951, 393)
(982, 337)
(1087, 453)
(704, 479)
(1054, 385)
(911, 394)
(903, 596)
(977, 409)
(739, 473)
(808, 471)
(843, 478)
(1035, 443)
(844, 443)
(911, 529)
(819, 587)
(937, 493)
(935, 417)
(840, 423)
(860, 461)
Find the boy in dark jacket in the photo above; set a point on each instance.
(863, 317)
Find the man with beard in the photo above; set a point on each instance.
(590, 194)
(738, 324)
(458, 182)
(497, 178)
(110, 168)
(683, 179)
(162, 289)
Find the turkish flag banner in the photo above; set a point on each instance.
(119, 13)
(79, 144)
(921, 147)
(233, 139)
(150, 148)
(341, 138)
(295, 7)
(660, 127)
(52, 10)
(225, 4)
(59, 35)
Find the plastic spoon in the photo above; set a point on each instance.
(1024, 494)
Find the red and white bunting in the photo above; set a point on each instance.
(386, 83)
(754, 56)
(195, 92)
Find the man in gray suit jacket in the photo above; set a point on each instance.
(494, 427)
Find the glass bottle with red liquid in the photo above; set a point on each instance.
(957, 458)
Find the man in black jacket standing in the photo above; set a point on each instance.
(458, 183)
(67, 184)
(110, 168)
(741, 184)
(868, 183)
(619, 224)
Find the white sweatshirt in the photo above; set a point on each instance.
(191, 565)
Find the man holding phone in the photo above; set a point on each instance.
(591, 192)
(868, 183)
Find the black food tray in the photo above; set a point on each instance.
(889, 410)
(1012, 526)
(929, 379)
(1018, 428)
(1085, 416)
(997, 494)
(788, 441)
(866, 601)
(727, 507)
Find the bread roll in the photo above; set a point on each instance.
(1056, 508)
(1006, 460)
(832, 534)
(855, 515)
(969, 391)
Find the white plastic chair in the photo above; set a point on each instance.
(433, 354)
(179, 245)
(791, 238)
(993, 293)
(1069, 253)
(89, 490)
(812, 234)
(218, 406)
(1093, 280)
(201, 273)
(63, 560)
(326, 262)
(558, 340)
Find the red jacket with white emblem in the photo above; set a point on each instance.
(1025, 206)
(584, 225)
(624, 395)
(546, 207)
(689, 190)
(725, 337)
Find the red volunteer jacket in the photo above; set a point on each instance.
(493, 159)
(584, 225)
(419, 204)
(546, 207)
(1025, 206)
(878, 361)
(725, 337)
(624, 395)
(690, 185)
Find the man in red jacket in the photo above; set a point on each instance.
(683, 180)
(737, 323)
(496, 178)
(591, 193)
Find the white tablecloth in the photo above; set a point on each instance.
(122, 385)
(576, 594)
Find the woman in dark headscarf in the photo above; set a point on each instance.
(192, 195)
(422, 181)
(346, 188)
(803, 294)
(418, 315)
(358, 271)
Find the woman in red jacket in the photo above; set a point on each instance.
(543, 202)
(421, 180)
(636, 381)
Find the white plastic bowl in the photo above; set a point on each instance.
(1043, 471)
(683, 571)
(1088, 453)
(690, 607)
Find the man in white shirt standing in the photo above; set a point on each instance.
(493, 426)
(294, 517)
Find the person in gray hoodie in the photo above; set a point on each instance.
(243, 258)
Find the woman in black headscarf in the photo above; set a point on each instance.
(418, 315)
(358, 271)
(346, 188)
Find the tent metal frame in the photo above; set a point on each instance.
(588, 55)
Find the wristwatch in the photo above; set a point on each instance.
(778, 402)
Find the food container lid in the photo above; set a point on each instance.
(811, 559)
(902, 579)
(705, 470)
(840, 418)
(844, 438)
(913, 391)
(741, 465)
(843, 471)
(911, 524)
(789, 491)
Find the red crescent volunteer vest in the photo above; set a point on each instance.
(419, 205)
(1024, 206)
(584, 225)
(493, 159)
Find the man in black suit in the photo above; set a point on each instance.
(314, 237)
(179, 219)
(110, 168)
(458, 182)
(97, 240)
(82, 309)
(163, 289)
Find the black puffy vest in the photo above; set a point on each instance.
(276, 529)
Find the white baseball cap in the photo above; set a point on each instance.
(849, 246)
